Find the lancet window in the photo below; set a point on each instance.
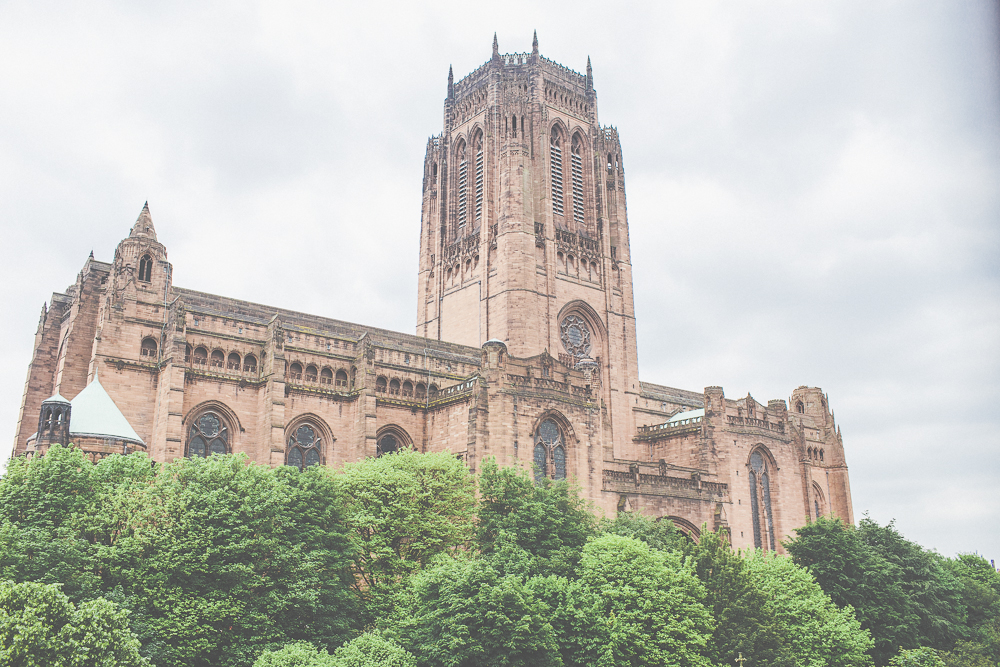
(577, 165)
(549, 447)
(303, 447)
(555, 165)
(208, 435)
(760, 501)
(478, 147)
(145, 268)
(148, 348)
(463, 186)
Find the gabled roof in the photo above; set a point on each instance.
(56, 398)
(95, 414)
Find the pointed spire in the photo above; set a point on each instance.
(590, 75)
(496, 49)
(534, 44)
(451, 83)
(144, 224)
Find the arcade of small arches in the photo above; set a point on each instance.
(405, 388)
(815, 454)
(325, 375)
(200, 356)
(581, 268)
(455, 274)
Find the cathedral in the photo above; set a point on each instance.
(525, 344)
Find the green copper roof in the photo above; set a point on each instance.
(95, 414)
(680, 416)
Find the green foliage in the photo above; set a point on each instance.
(651, 601)
(739, 607)
(402, 510)
(40, 627)
(529, 528)
(575, 613)
(917, 657)
(657, 533)
(297, 654)
(814, 632)
(212, 562)
(48, 491)
(464, 612)
(371, 650)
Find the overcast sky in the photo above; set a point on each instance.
(813, 190)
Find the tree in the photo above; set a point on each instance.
(651, 602)
(855, 575)
(371, 650)
(657, 533)
(548, 521)
(814, 632)
(743, 623)
(463, 612)
(297, 654)
(575, 613)
(403, 510)
(40, 627)
(48, 491)
(917, 657)
(218, 561)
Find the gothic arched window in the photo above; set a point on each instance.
(311, 373)
(463, 185)
(145, 268)
(148, 348)
(387, 444)
(295, 371)
(556, 169)
(477, 147)
(576, 160)
(326, 376)
(250, 363)
(200, 356)
(394, 387)
(208, 435)
(303, 447)
(380, 384)
(549, 446)
(760, 499)
(233, 362)
(218, 359)
(341, 380)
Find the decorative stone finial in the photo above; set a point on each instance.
(534, 44)
(496, 49)
(590, 75)
(451, 83)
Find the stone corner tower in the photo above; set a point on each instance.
(524, 235)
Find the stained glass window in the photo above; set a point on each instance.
(766, 485)
(817, 508)
(540, 470)
(303, 447)
(757, 542)
(559, 459)
(208, 435)
(387, 444)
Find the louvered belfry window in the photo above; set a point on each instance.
(463, 187)
(555, 159)
(479, 179)
(577, 163)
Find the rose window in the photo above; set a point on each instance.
(575, 336)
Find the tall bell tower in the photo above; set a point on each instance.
(524, 234)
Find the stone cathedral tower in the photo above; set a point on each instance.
(524, 234)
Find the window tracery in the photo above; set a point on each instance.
(575, 336)
(208, 435)
(549, 447)
(303, 447)
(759, 477)
(387, 444)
